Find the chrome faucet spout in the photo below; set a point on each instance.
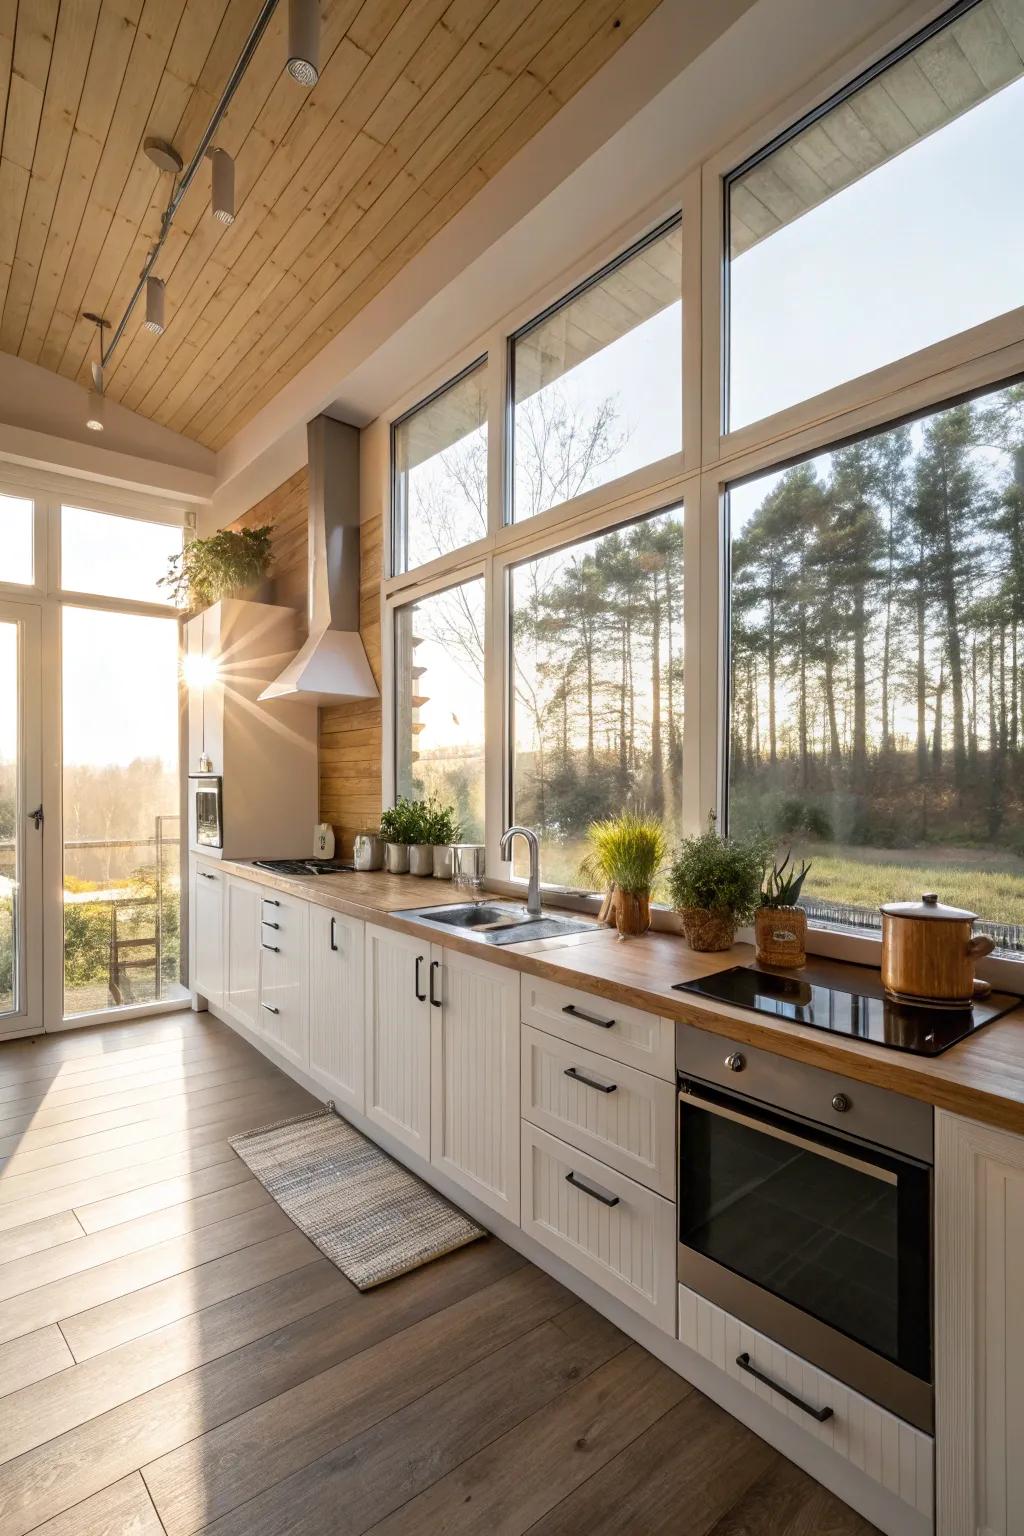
(533, 889)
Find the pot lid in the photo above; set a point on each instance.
(928, 906)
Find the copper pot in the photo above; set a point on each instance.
(928, 952)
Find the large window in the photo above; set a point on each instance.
(115, 556)
(16, 518)
(439, 702)
(886, 224)
(597, 382)
(878, 665)
(597, 685)
(440, 472)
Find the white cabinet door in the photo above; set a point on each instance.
(336, 1014)
(207, 930)
(242, 950)
(979, 1329)
(398, 1036)
(284, 976)
(474, 1111)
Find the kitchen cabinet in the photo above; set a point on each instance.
(474, 1075)
(397, 1038)
(979, 1329)
(336, 957)
(206, 924)
(284, 976)
(242, 906)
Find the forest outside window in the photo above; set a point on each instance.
(597, 381)
(439, 701)
(883, 226)
(439, 458)
(596, 634)
(877, 666)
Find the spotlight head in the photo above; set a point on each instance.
(97, 411)
(304, 41)
(222, 186)
(154, 320)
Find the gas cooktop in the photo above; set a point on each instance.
(859, 1009)
(304, 866)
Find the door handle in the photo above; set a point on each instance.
(334, 941)
(590, 1082)
(268, 901)
(821, 1414)
(421, 997)
(586, 1189)
(435, 965)
(37, 817)
(275, 949)
(203, 875)
(270, 1007)
(588, 1018)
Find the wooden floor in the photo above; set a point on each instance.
(175, 1356)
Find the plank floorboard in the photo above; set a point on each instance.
(176, 1357)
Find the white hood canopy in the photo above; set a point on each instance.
(331, 667)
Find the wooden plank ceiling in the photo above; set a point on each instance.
(419, 103)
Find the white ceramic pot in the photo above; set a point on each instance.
(396, 858)
(443, 861)
(421, 859)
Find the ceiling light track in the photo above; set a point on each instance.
(188, 175)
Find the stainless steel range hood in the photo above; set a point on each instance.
(331, 667)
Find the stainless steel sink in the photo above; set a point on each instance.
(493, 922)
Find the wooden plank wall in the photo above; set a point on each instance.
(350, 734)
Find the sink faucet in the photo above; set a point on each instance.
(533, 889)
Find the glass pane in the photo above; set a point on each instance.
(115, 556)
(121, 828)
(598, 383)
(440, 468)
(597, 672)
(10, 818)
(882, 227)
(439, 702)
(16, 516)
(878, 666)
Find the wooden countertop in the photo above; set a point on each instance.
(982, 1077)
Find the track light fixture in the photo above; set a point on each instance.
(222, 186)
(154, 320)
(97, 407)
(304, 41)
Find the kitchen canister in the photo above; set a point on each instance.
(368, 851)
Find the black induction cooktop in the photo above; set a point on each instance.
(304, 866)
(846, 1010)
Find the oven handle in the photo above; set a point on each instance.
(884, 1175)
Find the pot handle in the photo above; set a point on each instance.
(980, 945)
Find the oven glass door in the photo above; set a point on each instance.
(837, 1230)
(208, 818)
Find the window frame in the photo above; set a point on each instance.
(968, 363)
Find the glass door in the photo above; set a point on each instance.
(21, 822)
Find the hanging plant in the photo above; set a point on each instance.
(230, 563)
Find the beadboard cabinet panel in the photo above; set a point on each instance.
(336, 1010)
(207, 932)
(242, 906)
(397, 1038)
(626, 1034)
(284, 976)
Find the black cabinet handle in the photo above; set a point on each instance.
(268, 924)
(821, 1414)
(271, 901)
(270, 1007)
(334, 942)
(590, 1082)
(421, 997)
(585, 1189)
(588, 1018)
(204, 876)
(435, 965)
(275, 949)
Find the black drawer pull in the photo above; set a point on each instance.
(204, 876)
(271, 901)
(270, 1007)
(588, 1018)
(275, 949)
(821, 1414)
(334, 941)
(585, 1189)
(268, 924)
(590, 1082)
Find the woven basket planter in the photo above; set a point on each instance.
(705, 928)
(780, 934)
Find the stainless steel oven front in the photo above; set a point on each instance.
(805, 1203)
(207, 810)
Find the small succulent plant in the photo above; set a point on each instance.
(781, 885)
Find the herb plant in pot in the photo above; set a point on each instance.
(442, 831)
(399, 826)
(626, 855)
(230, 563)
(421, 847)
(780, 925)
(715, 884)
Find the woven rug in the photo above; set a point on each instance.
(368, 1215)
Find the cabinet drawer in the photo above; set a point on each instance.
(605, 1225)
(638, 1038)
(890, 1451)
(623, 1117)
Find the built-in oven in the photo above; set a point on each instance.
(805, 1205)
(206, 813)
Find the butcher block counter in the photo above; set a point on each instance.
(981, 1078)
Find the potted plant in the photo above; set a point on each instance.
(230, 563)
(421, 846)
(626, 854)
(442, 831)
(780, 925)
(715, 884)
(398, 828)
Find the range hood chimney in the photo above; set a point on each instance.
(331, 667)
